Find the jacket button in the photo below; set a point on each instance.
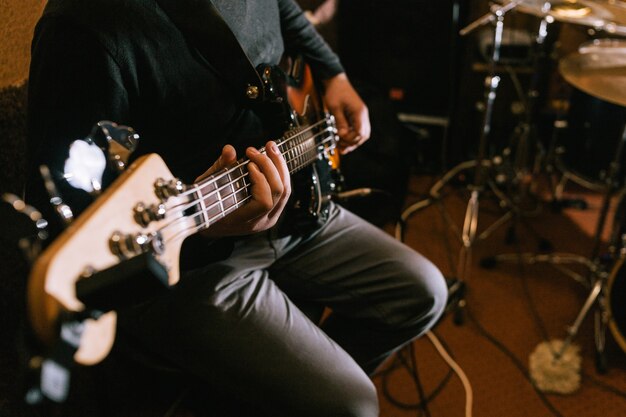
(252, 92)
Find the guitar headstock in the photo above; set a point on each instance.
(142, 212)
(98, 159)
(118, 141)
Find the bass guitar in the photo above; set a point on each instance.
(148, 211)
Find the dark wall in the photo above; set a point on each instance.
(13, 268)
(12, 138)
(401, 44)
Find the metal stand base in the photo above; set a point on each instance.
(595, 281)
(468, 234)
(597, 276)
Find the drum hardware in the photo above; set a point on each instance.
(572, 135)
(488, 172)
(598, 71)
(599, 68)
(526, 153)
(614, 306)
(608, 17)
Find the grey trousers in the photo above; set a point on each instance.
(237, 324)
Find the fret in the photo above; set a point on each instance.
(207, 198)
(227, 190)
(306, 146)
(292, 158)
(228, 184)
(291, 165)
(299, 155)
(239, 186)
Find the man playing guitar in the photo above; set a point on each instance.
(236, 321)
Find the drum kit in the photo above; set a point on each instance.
(597, 68)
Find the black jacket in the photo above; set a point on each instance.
(125, 61)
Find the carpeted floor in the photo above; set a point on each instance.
(511, 308)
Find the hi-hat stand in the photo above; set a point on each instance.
(598, 273)
(480, 166)
(580, 70)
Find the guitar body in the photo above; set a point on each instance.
(148, 211)
(313, 185)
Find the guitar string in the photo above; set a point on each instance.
(218, 216)
(282, 140)
(198, 189)
(183, 207)
(229, 209)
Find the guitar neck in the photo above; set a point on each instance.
(227, 190)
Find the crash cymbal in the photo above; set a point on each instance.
(617, 23)
(598, 69)
(580, 12)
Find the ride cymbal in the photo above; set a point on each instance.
(598, 69)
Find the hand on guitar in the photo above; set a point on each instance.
(270, 190)
(351, 114)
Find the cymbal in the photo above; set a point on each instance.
(606, 15)
(580, 12)
(618, 22)
(598, 69)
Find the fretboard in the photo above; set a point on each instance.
(227, 190)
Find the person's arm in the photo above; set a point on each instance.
(342, 100)
(351, 113)
(75, 82)
(301, 38)
(323, 14)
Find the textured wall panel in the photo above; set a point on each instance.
(18, 19)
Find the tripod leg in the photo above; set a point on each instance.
(601, 322)
(470, 225)
(572, 331)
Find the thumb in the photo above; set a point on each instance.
(340, 120)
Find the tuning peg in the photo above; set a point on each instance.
(118, 141)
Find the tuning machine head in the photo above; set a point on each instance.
(95, 161)
(119, 142)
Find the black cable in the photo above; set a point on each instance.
(446, 239)
(407, 365)
(418, 381)
(544, 332)
(397, 363)
(529, 299)
(494, 341)
(605, 386)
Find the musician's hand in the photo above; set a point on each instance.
(351, 114)
(270, 189)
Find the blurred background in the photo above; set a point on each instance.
(496, 151)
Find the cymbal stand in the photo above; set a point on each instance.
(526, 135)
(469, 232)
(596, 279)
